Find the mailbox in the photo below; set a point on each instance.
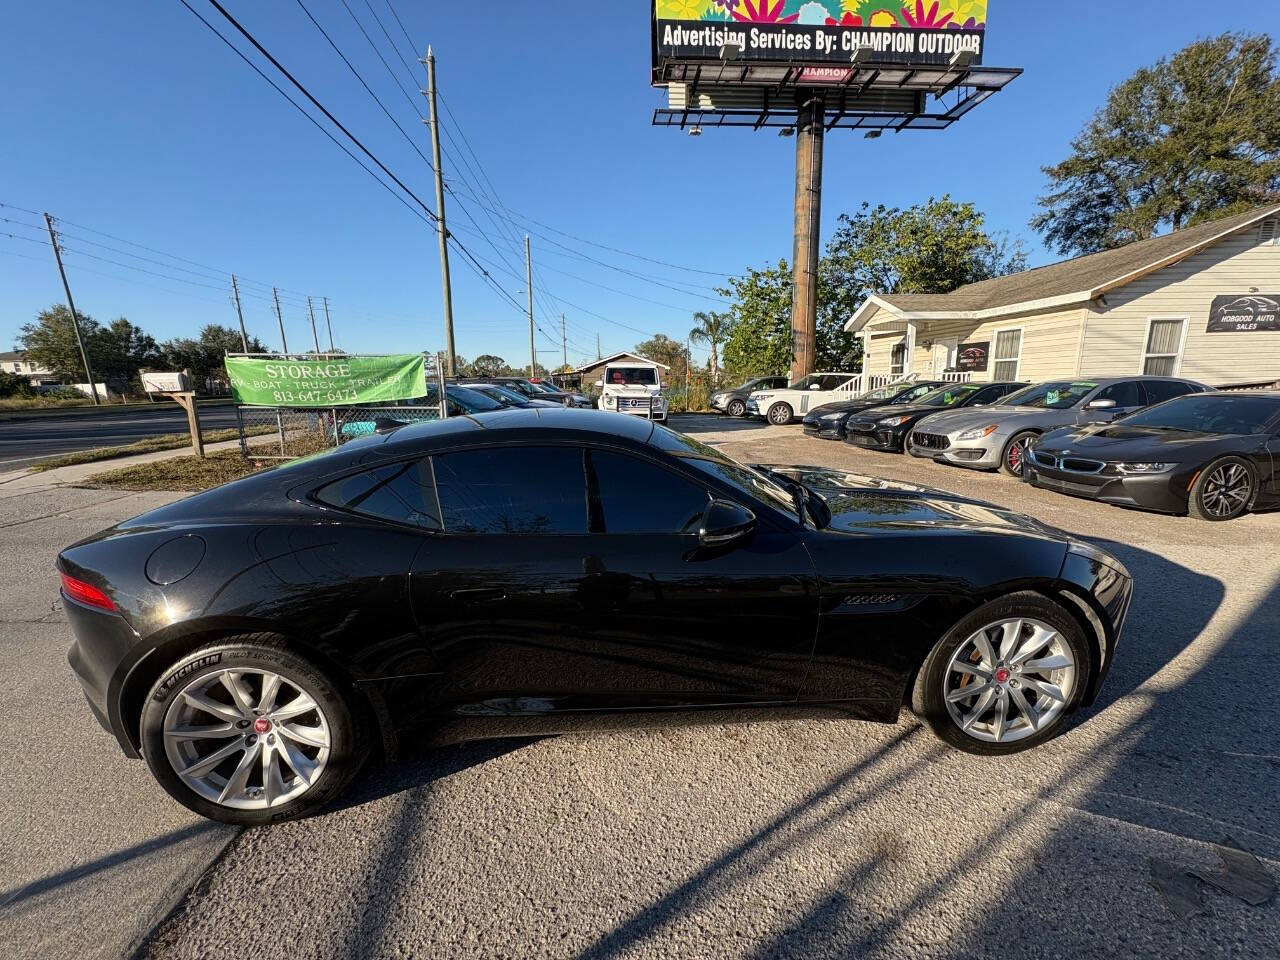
(166, 382)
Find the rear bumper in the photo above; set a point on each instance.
(1163, 493)
(101, 648)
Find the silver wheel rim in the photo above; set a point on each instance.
(1009, 680)
(1018, 454)
(246, 739)
(1227, 490)
(737, 408)
(778, 414)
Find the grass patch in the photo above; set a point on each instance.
(167, 441)
(40, 403)
(191, 474)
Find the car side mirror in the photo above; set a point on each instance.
(1101, 405)
(724, 523)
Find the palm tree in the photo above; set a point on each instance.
(713, 330)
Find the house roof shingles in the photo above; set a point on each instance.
(1080, 275)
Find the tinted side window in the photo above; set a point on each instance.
(1158, 391)
(512, 490)
(400, 492)
(1125, 394)
(988, 395)
(630, 495)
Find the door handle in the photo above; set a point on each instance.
(479, 595)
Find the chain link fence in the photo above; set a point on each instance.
(282, 433)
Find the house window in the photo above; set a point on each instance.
(1164, 346)
(898, 359)
(1007, 356)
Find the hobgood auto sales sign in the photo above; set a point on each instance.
(821, 31)
(1244, 313)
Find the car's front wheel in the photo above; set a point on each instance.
(736, 408)
(781, 414)
(1006, 677)
(1223, 490)
(1015, 452)
(247, 732)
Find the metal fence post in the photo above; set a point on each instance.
(444, 399)
(280, 427)
(244, 445)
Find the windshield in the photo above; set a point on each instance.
(1056, 395)
(462, 400)
(501, 394)
(631, 376)
(949, 396)
(710, 460)
(544, 388)
(1209, 414)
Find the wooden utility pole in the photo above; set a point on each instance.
(810, 127)
(280, 320)
(328, 323)
(598, 356)
(564, 346)
(315, 337)
(71, 305)
(688, 357)
(244, 336)
(528, 282)
(450, 358)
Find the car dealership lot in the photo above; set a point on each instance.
(778, 837)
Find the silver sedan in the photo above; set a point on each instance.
(999, 435)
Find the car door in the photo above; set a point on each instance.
(529, 607)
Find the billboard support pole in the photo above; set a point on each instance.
(810, 128)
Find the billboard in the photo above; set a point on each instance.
(1244, 313)
(332, 382)
(914, 32)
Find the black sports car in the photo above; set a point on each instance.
(886, 428)
(828, 421)
(1212, 455)
(536, 571)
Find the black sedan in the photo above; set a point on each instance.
(1211, 455)
(886, 428)
(828, 421)
(539, 571)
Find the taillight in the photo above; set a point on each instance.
(85, 593)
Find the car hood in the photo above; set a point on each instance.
(842, 406)
(901, 410)
(860, 503)
(949, 421)
(1118, 442)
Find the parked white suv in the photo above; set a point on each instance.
(783, 406)
(634, 389)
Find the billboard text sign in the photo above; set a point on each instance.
(337, 381)
(820, 31)
(1244, 313)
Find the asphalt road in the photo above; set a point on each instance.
(24, 441)
(782, 838)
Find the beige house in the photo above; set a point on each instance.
(15, 361)
(1202, 303)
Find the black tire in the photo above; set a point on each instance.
(781, 414)
(927, 695)
(1015, 450)
(1211, 494)
(736, 408)
(347, 748)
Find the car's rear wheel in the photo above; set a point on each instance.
(781, 414)
(1006, 677)
(1015, 452)
(1223, 490)
(247, 732)
(736, 408)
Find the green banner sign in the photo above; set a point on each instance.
(271, 382)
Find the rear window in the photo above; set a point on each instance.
(399, 492)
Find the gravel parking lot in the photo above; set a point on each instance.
(788, 837)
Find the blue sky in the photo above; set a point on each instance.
(131, 118)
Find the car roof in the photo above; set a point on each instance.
(559, 422)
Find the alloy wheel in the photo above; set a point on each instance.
(1009, 680)
(1017, 454)
(780, 414)
(1227, 490)
(737, 408)
(247, 739)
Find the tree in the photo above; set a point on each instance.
(206, 357)
(123, 350)
(933, 247)
(1193, 137)
(488, 365)
(51, 342)
(662, 349)
(712, 329)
